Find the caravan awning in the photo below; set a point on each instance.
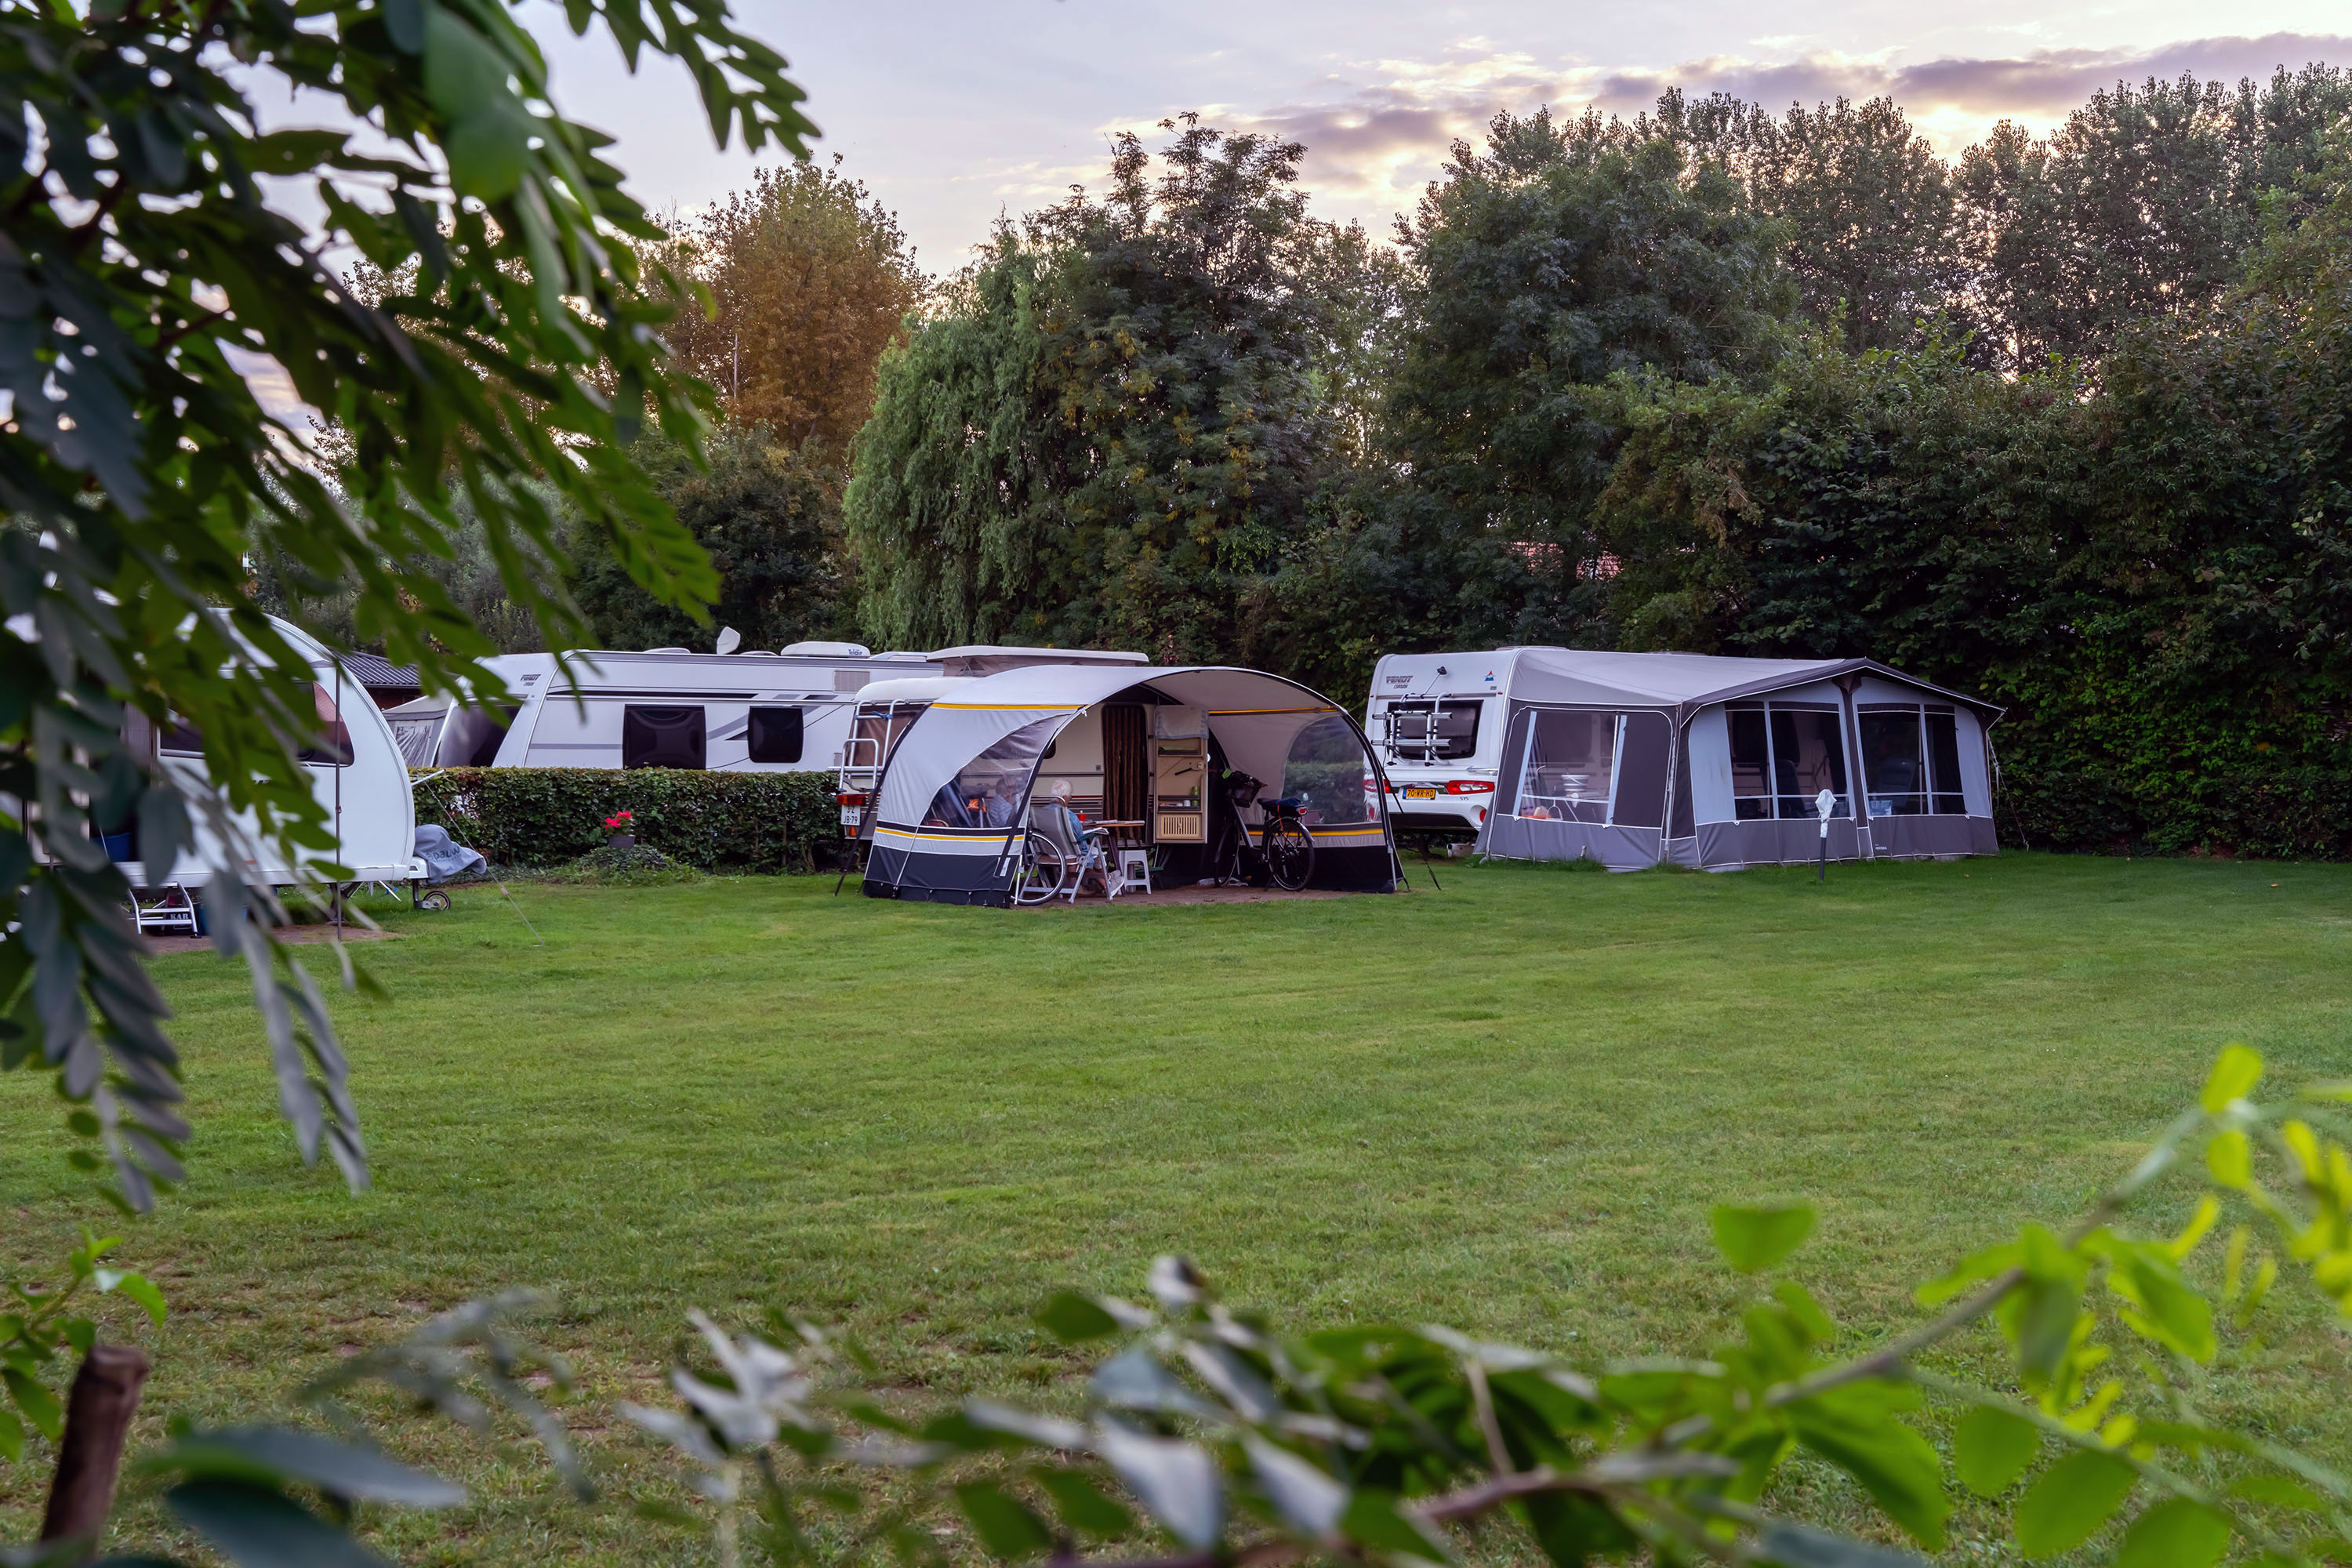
(1681, 681)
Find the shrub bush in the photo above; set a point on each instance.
(712, 821)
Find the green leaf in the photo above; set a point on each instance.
(294, 151)
(1083, 1505)
(1806, 1310)
(39, 1406)
(259, 1527)
(1795, 1546)
(1306, 1495)
(2068, 1504)
(1005, 1526)
(1757, 1238)
(2277, 1491)
(263, 1454)
(2229, 1158)
(1373, 1519)
(142, 1290)
(1176, 1482)
(2237, 1072)
(1991, 1448)
(1073, 1318)
(12, 1437)
(2175, 1534)
(1894, 1464)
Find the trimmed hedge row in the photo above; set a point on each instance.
(715, 821)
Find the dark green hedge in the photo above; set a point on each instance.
(718, 821)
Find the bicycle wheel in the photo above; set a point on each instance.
(1289, 855)
(1043, 866)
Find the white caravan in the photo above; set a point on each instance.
(1437, 722)
(751, 712)
(356, 773)
(790, 712)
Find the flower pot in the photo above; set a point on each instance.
(622, 841)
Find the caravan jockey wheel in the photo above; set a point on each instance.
(433, 902)
(1289, 854)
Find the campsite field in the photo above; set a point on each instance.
(1504, 1105)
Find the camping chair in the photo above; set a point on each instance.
(1087, 849)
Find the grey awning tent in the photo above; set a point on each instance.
(955, 799)
(1630, 759)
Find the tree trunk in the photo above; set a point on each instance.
(97, 1419)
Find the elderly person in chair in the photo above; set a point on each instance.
(1071, 829)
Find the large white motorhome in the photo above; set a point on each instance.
(1437, 720)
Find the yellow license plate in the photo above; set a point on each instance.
(1421, 794)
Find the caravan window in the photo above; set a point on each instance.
(991, 791)
(1432, 732)
(330, 745)
(1326, 766)
(331, 742)
(662, 737)
(775, 735)
(1782, 755)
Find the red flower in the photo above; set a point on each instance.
(618, 821)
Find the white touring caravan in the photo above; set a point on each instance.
(1437, 720)
(356, 775)
(757, 713)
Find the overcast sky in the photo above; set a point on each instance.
(953, 111)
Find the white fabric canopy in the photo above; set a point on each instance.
(1255, 716)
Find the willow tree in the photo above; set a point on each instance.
(1113, 424)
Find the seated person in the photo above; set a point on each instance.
(997, 807)
(948, 808)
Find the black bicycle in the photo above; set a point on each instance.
(1285, 844)
(1285, 850)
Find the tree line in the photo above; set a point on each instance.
(2057, 421)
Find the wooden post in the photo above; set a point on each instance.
(97, 1419)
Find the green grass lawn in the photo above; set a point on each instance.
(1505, 1106)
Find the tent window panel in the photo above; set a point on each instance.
(993, 789)
(1808, 757)
(414, 737)
(1639, 798)
(1944, 764)
(662, 737)
(1895, 769)
(1326, 772)
(1570, 759)
(774, 735)
(1751, 779)
(1432, 732)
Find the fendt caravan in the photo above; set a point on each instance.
(1437, 719)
